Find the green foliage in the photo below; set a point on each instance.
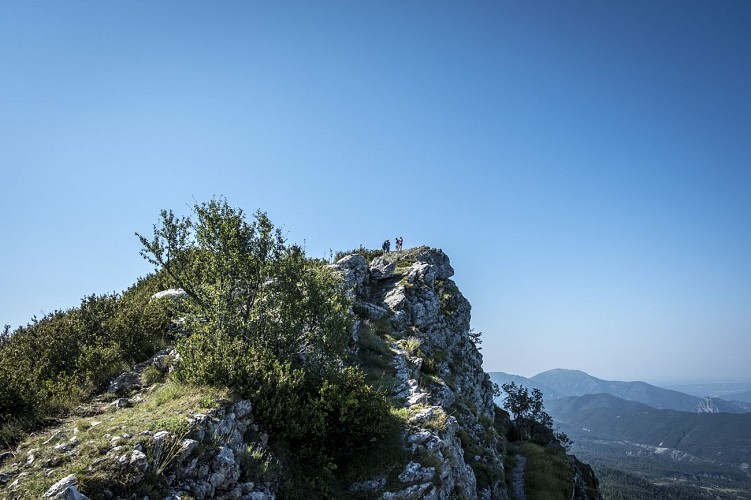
(411, 345)
(245, 283)
(368, 254)
(164, 408)
(152, 375)
(52, 364)
(530, 418)
(485, 473)
(261, 319)
(429, 366)
(547, 474)
(274, 326)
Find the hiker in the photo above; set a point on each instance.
(399, 242)
(386, 246)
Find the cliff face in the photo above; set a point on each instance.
(455, 435)
(410, 300)
(420, 313)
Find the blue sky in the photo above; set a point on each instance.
(585, 165)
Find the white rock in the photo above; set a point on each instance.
(242, 408)
(161, 435)
(138, 460)
(370, 485)
(415, 472)
(381, 269)
(171, 293)
(353, 269)
(61, 485)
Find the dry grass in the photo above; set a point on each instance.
(165, 408)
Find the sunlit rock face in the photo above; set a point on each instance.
(438, 375)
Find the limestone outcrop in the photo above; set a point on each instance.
(438, 373)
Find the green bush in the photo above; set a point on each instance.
(50, 365)
(333, 409)
(323, 416)
(368, 254)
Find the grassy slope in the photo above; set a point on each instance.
(164, 408)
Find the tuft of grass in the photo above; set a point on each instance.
(152, 375)
(411, 345)
(439, 422)
(161, 454)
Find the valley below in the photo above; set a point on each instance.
(641, 451)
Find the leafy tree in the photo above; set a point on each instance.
(530, 417)
(273, 325)
(243, 281)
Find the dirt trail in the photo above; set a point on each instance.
(518, 477)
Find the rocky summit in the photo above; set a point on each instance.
(437, 371)
(411, 335)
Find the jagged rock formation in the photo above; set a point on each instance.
(438, 373)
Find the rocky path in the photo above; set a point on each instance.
(518, 477)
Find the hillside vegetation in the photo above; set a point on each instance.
(243, 369)
(641, 451)
(263, 320)
(52, 364)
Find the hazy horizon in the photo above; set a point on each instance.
(585, 165)
(666, 383)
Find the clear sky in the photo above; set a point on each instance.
(586, 165)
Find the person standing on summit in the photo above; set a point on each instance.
(386, 246)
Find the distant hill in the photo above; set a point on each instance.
(729, 391)
(578, 383)
(700, 453)
(742, 396)
(720, 437)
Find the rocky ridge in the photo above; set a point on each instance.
(411, 330)
(437, 371)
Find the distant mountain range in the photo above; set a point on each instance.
(707, 454)
(559, 383)
(734, 391)
(719, 437)
(670, 439)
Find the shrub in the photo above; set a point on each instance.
(48, 366)
(368, 254)
(152, 375)
(411, 345)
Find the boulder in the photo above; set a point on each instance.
(65, 489)
(381, 269)
(415, 472)
(125, 382)
(436, 258)
(353, 269)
